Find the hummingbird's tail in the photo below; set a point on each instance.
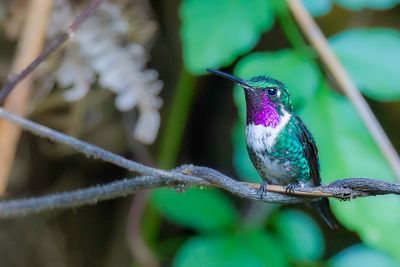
(324, 210)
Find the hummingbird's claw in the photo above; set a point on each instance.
(290, 188)
(262, 190)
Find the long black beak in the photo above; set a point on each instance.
(230, 77)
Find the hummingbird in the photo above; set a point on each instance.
(280, 146)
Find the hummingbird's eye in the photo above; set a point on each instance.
(272, 91)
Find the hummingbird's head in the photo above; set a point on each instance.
(267, 100)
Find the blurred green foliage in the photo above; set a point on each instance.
(243, 248)
(372, 58)
(318, 7)
(360, 255)
(300, 235)
(372, 4)
(215, 34)
(195, 207)
(322, 7)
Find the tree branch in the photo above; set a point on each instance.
(329, 59)
(190, 175)
(182, 177)
(49, 49)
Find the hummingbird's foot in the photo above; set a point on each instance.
(262, 190)
(290, 188)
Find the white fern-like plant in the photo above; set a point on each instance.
(96, 54)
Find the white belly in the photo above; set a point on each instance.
(274, 170)
(261, 141)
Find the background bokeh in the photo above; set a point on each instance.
(133, 81)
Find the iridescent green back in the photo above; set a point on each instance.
(292, 145)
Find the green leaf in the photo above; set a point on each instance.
(300, 235)
(249, 248)
(214, 251)
(357, 5)
(300, 74)
(202, 210)
(263, 246)
(347, 150)
(360, 255)
(318, 8)
(215, 32)
(372, 58)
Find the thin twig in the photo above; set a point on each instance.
(345, 189)
(50, 48)
(88, 196)
(76, 144)
(320, 44)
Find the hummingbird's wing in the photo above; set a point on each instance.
(310, 150)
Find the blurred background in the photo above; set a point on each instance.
(132, 80)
